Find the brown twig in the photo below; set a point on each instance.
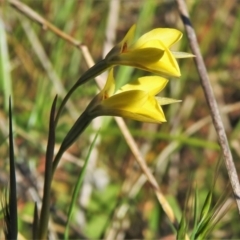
(217, 121)
(127, 135)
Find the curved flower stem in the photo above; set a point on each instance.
(79, 126)
(217, 121)
(91, 73)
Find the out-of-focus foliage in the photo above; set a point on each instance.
(114, 199)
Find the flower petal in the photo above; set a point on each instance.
(129, 37)
(151, 84)
(166, 35)
(109, 87)
(126, 100)
(123, 45)
(153, 56)
(138, 56)
(136, 116)
(135, 104)
(152, 110)
(148, 112)
(166, 65)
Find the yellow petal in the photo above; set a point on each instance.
(138, 56)
(154, 57)
(136, 116)
(154, 43)
(152, 110)
(166, 35)
(151, 84)
(109, 87)
(128, 39)
(139, 114)
(123, 45)
(166, 66)
(136, 105)
(126, 100)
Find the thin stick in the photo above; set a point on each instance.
(217, 121)
(141, 161)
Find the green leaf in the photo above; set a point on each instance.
(44, 215)
(11, 215)
(182, 230)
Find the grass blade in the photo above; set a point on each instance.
(196, 213)
(44, 216)
(10, 215)
(182, 230)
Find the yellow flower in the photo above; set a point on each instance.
(136, 100)
(150, 52)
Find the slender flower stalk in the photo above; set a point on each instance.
(91, 73)
(77, 129)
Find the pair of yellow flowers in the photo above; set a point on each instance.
(137, 100)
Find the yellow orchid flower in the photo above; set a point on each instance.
(150, 52)
(135, 100)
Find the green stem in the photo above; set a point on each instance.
(92, 72)
(79, 126)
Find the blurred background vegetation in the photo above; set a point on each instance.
(115, 201)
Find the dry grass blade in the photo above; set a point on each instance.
(217, 121)
(36, 17)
